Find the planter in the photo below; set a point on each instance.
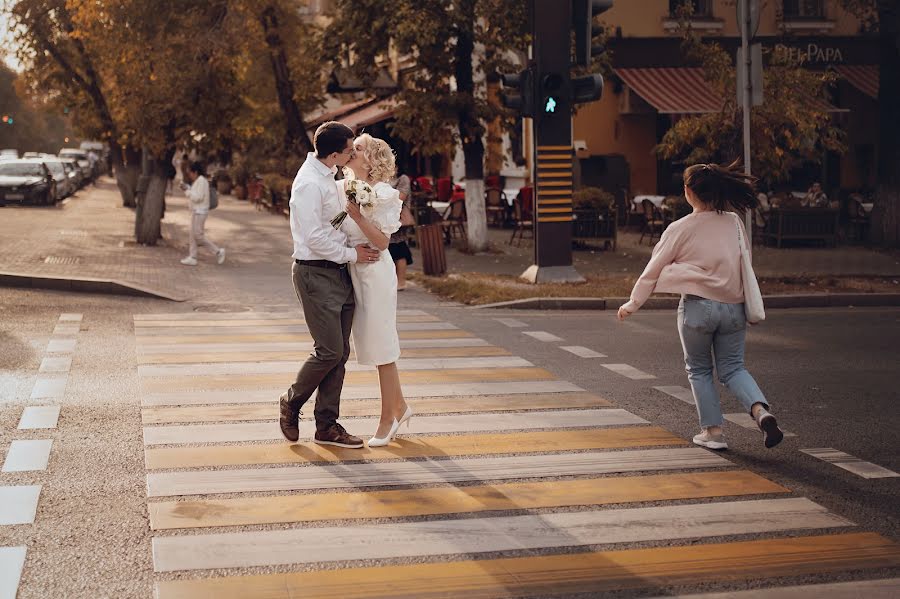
(595, 224)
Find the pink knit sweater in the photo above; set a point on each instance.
(698, 255)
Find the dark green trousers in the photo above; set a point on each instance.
(327, 298)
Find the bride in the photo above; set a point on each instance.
(374, 330)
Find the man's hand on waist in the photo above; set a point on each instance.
(365, 254)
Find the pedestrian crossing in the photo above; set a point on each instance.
(509, 482)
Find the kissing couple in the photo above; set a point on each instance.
(345, 280)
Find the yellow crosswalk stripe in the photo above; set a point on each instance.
(187, 324)
(186, 337)
(592, 572)
(158, 458)
(255, 381)
(372, 407)
(455, 500)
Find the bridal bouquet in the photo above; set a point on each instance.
(359, 193)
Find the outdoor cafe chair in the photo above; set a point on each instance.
(653, 221)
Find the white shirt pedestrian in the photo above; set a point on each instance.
(198, 196)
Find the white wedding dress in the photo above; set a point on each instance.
(374, 333)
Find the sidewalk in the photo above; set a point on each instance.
(89, 237)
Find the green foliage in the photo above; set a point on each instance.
(790, 128)
(592, 198)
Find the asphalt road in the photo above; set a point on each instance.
(830, 375)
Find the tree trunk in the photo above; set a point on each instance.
(470, 129)
(126, 162)
(151, 200)
(296, 139)
(886, 212)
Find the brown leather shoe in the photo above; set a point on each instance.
(336, 435)
(288, 420)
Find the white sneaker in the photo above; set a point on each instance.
(708, 440)
(189, 261)
(220, 256)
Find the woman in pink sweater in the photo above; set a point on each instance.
(699, 256)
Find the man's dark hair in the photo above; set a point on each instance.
(331, 137)
(197, 167)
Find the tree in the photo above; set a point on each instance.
(790, 128)
(443, 100)
(61, 68)
(35, 127)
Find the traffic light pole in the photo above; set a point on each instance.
(553, 153)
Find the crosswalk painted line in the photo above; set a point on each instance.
(70, 317)
(160, 458)
(501, 533)
(49, 388)
(270, 431)
(291, 367)
(299, 356)
(228, 324)
(370, 407)
(870, 589)
(628, 371)
(61, 346)
(280, 509)
(146, 334)
(679, 393)
(542, 336)
(27, 455)
(592, 573)
(12, 561)
(492, 434)
(56, 364)
(185, 349)
(66, 329)
(512, 323)
(18, 504)
(582, 352)
(187, 337)
(410, 391)
(193, 316)
(352, 379)
(744, 420)
(377, 474)
(850, 463)
(39, 417)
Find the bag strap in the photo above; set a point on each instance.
(740, 232)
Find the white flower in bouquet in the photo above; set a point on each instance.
(360, 194)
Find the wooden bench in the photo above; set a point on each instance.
(788, 224)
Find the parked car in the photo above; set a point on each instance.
(31, 155)
(26, 182)
(9, 154)
(74, 171)
(83, 162)
(63, 187)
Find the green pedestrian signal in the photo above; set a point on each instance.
(550, 107)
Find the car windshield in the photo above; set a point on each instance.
(21, 169)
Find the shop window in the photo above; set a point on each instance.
(804, 9)
(702, 9)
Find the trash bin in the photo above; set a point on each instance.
(431, 242)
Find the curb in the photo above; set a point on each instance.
(821, 300)
(82, 284)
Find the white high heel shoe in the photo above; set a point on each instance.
(407, 416)
(376, 442)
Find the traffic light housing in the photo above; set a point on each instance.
(551, 92)
(518, 92)
(587, 89)
(583, 13)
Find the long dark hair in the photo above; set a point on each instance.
(722, 187)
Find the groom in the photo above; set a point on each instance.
(322, 282)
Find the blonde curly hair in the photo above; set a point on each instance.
(379, 156)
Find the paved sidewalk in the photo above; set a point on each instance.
(90, 236)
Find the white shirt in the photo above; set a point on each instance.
(198, 194)
(314, 202)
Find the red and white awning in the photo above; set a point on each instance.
(862, 77)
(673, 90)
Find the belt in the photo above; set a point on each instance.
(321, 264)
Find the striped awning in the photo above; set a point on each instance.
(673, 90)
(377, 112)
(862, 77)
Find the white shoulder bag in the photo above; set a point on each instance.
(753, 301)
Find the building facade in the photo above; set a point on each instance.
(652, 86)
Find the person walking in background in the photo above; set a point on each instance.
(399, 246)
(198, 196)
(699, 256)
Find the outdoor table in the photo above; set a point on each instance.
(637, 200)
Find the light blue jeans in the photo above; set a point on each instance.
(713, 332)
